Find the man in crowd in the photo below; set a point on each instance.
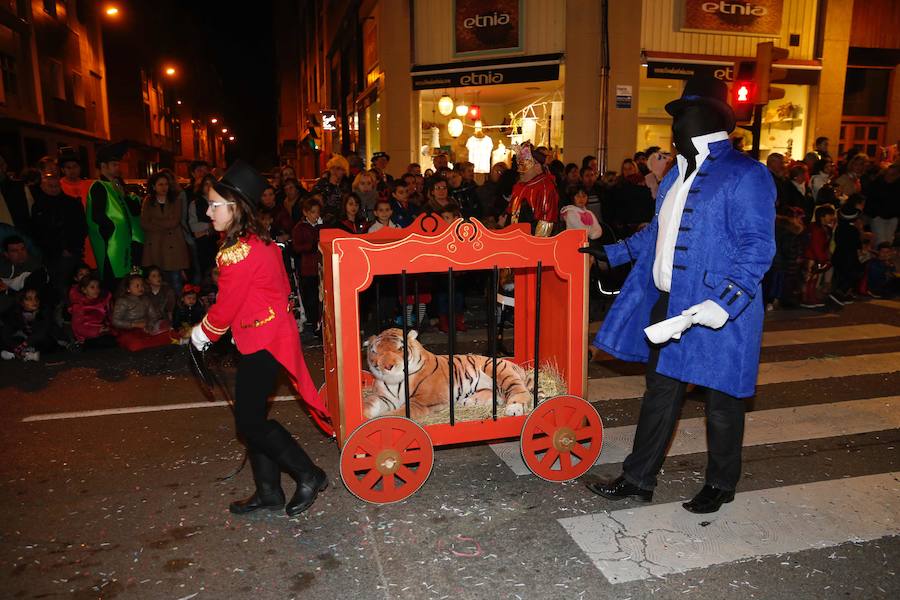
(113, 218)
(19, 269)
(821, 147)
(59, 228)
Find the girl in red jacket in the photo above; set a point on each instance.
(253, 303)
(305, 241)
(91, 315)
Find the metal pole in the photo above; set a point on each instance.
(492, 332)
(603, 141)
(405, 345)
(451, 316)
(756, 129)
(537, 331)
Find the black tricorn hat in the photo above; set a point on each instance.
(243, 180)
(707, 91)
(67, 154)
(112, 152)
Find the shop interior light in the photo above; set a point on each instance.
(445, 105)
(474, 112)
(462, 110)
(455, 127)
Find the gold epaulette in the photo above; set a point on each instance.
(233, 254)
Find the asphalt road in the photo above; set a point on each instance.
(130, 506)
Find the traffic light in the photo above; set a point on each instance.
(743, 92)
(766, 55)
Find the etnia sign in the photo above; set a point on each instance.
(487, 26)
(741, 17)
(487, 20)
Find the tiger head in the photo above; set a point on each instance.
(385, 354)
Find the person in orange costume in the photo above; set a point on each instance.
(253, 304)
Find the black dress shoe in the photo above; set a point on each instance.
(257, 501)
(307, 490)
(709, 500)
(619, 489)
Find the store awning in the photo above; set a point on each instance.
(671, 65)
(474, 73)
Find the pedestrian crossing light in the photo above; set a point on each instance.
(768, 54)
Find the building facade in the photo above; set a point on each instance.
(52, 80)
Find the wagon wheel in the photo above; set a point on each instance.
(386, 460)
(365, 377)
(562, 438)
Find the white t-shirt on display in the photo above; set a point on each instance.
(480, 152)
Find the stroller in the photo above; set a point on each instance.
(294, 298)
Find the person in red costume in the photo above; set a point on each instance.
(253, 304)
(534, 198)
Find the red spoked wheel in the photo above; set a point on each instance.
(562, 438)
(386, 460)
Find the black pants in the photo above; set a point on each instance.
(309, 295)
(254, 383)
(660, 409)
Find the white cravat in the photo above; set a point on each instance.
(670, 212)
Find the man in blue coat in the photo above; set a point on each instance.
(702, 257)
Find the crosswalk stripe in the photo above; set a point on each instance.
(820, 335)
(886, 303)
(130, 410)
(658, 540)
(775, 426)
(632, 386)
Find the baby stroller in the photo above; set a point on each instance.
(294, 298)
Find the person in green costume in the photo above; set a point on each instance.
(113, 218)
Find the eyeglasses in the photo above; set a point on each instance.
(215, 205)
(440, 187)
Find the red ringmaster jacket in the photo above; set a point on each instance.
(253, 303)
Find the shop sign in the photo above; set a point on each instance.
(623, 96)
(487, 26)
(486, 76)
(750, 17)
(725, 72)
(329, 119)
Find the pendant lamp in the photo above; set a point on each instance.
(445, 105)
(462, 110)
(455, 128)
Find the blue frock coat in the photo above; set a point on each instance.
(725, 245)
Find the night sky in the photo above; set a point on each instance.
(225, 61)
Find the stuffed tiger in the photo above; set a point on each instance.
(429, 380)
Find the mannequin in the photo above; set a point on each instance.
(696, 272)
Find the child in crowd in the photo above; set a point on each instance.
(135, 316)
(383, 214)
(450, 213)
(305, 241)
(364, 187)
(91, 312)
(352, 219)
(883, 278)
(189, 311)
(160, 293)
(577, 216)
(27, 330)
(209, 290)
(784, 278)
(402, 211)
(817, 255)
(75, 288)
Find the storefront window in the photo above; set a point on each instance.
(500, 117)
(373, 128)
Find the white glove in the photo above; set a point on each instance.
(199, 339)
(708, 314)
(670, 329)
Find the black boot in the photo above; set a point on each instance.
(311, 480)
(267, 477)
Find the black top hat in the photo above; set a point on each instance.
(112, 152)
(380, 154)
(704, 90)
(848, 212)
(243, 180)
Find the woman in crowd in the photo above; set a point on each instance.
(438, 192)
(332, 186)
(364, 187)
(200, 225)
(293, 200)
(253, 289)
(164, 243)
(352, 219)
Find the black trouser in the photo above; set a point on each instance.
(660, 409)
(309, 295)
(254, 383)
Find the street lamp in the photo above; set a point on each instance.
(230, 138)
(112, 11)
(170, 71)
(214, 120)
(224, 130)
